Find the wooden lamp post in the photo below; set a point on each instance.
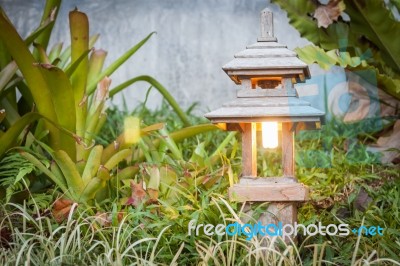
(267, 101)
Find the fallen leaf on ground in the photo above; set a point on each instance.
(138, 194)
(61, 209)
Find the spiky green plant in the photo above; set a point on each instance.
(69, 89)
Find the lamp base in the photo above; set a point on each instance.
(276, 213)
(272, 189)
(283, 194)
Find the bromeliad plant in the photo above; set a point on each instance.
(59, 85)
(67, 92)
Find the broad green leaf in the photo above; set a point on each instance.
(71, 68)
(127, 173)
(56, 179)
(79, 30)
(117, 158)
(70, 172)
(372, 20)
(92, 164)
(41, 53)
(312, 54)
(33, 75)
(89, 192)
(191, 131)
(26, 93)
(66, 54)
(95, 114)
(8, 140)
(388, 84)
(50, 13)
(369, 20)
(63, 99)
(114, 66)
(28, 40)
(6, 74)
(12, 113)
(96, 63)
(300, 17)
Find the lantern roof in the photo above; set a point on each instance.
(267, 57)
(279, 109)
(266, 71)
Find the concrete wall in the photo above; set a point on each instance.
(194, 39)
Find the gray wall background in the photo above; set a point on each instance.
(194, 39)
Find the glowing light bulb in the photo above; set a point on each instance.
(269, 134)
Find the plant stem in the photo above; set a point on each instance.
(164, 92)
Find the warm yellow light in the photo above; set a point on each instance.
(269, 134)
(131, 129)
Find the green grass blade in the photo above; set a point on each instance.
(170, 143)
(114, 66)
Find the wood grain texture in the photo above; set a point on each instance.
(266, 26)
(249, 150)
(274, 192)
(257, 93)
(287, 149)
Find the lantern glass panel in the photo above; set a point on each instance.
(269, 134)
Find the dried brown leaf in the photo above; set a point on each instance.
(138, 194)
(61, 209)
(327, 14)
(105, 219)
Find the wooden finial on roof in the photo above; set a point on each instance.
(266, 26)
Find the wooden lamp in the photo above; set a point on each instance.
(267, 101)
